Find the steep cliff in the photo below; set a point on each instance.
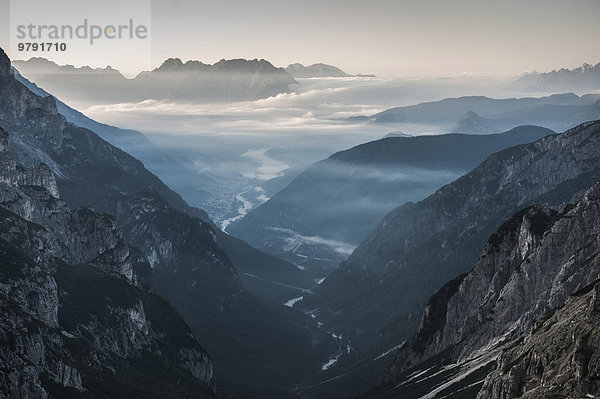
(527, 270)
(76, 318)
(559, 359)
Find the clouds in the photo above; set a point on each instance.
(268, 168)
(320, 108)
(294, 242)
(242, 144)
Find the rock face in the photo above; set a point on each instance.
(193, 81)
(527, 270)
(325, 212)
(75, 313)
(560, 358)
(418, 247)
(80, 236)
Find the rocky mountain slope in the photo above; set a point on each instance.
(376, 298)
(193, 81)
(506, 313)
(559, 359)
(249, 339)
(558, 112)
(77, 318)
(324, 213)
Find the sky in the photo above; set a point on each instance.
(390, 38)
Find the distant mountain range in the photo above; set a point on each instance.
(318, 71)
(324, 213)
(483, 114)
(193, 81)
(585, 78)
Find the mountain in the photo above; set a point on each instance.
(584, 78)
(193, 81)
(77, 317)
(472, 123)
(318, 71)
(249, 339)
(377, 296)
(324, 213)
(315, 71)
(527, 311)
(557, 112)
(72, 83)
(226, 80)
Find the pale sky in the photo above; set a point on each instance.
(401, 38)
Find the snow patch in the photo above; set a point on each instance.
(292, 302)
(67, 334)
(330, 363)
(384, 354)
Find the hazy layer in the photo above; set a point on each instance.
(243, 144)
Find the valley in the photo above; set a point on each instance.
(303, 201)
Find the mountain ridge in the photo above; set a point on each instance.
(585, 77)
(558, 112)
(193, 81)
(336, 202)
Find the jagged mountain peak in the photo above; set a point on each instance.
(39, 66)
(171, 63)
(174, 80)
(233, 65)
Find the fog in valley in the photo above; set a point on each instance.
(241, 146)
